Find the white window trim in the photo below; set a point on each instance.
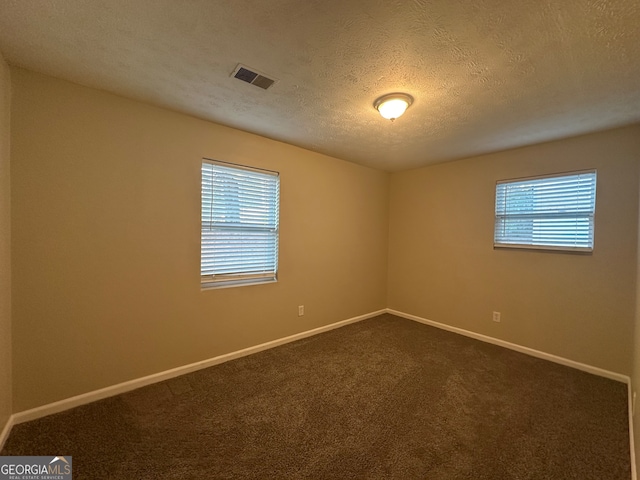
(231, 280)
(551, 248)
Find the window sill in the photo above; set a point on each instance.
(236, 283)
(543, 248)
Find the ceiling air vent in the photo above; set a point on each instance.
(250, 75)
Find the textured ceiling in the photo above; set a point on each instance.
(486, 75)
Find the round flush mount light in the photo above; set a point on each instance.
(393, 105)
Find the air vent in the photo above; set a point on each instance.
(250, 75)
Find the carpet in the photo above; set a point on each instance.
(385, 398)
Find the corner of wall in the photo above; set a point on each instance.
(6, 390)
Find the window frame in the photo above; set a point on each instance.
(237, 279)
(576, 215)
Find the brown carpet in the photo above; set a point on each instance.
(385, 398)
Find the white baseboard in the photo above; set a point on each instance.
(518, 348)
(634, 474)
(113, 390)
(6, 430)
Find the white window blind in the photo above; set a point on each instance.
(239, 225)
(553, 212)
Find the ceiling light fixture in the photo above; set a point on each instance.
(393, 105)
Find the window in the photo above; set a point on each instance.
(239, 243)
(551, 212)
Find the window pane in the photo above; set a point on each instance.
(548, 212)
(239, 242)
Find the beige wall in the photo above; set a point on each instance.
(5, 247)
(442, 265)
(106, 245)
(106, 198)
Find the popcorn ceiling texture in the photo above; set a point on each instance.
(486, 75)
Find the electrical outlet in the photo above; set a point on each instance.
(300, 310)
(496, 316)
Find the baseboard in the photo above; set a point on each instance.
(119, 388)
(6, 430)
(632, 449)
(518, 348)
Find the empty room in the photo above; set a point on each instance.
(294, 239)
